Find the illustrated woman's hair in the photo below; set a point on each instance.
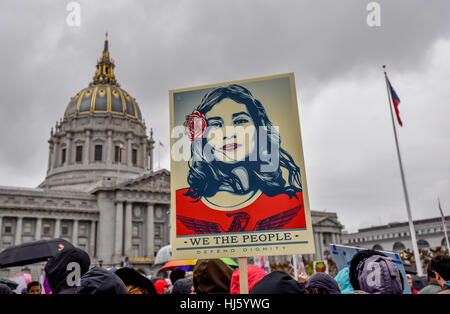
(206, 176)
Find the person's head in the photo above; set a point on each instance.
(441, 267)
(410, 281)
(63, 264)
(183, 286)
(162, 287)
(212, 276)
(373, 272)
(4, 289)
(254, 274)
(277, 282)
(238, 129)
(34, 287)
(98, 280)
(135, 282)
(177, 274)
(322, 283)
(431, 276)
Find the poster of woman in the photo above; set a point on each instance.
(238, 179)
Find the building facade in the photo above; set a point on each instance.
(327, 230)
(396, 236)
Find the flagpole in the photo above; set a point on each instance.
(405, 191)
(443, 225)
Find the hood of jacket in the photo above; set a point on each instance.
(255, 274)
(58, 269)
(323, 281)
(278, 282)
(212, 276)
(182, 286)
(100, 281)
(131, 277)
(4, 289)
(343, 280)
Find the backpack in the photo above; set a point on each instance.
(379, 275)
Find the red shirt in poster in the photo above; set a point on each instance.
(265, 213)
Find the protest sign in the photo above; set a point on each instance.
(238, 182)
(320, 267)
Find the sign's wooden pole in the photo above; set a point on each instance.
(243, 275)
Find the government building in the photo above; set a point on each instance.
(395, 236)
(101, 192)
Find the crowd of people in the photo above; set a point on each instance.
(369, 272)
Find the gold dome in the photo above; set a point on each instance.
(104, 95)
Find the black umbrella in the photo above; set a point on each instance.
(11, 284)
(32, 252)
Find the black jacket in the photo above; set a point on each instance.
(100, 281)
(278, 282)
(57, 272)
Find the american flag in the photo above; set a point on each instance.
(396, 102)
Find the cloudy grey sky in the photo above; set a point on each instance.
(349, 149)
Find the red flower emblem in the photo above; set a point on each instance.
(195, 125)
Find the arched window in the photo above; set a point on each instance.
(422, 244)
(377, 247)
(398, 247)
(444, 243)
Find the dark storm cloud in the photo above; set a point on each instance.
(162, 45)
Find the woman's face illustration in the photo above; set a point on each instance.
(231, 131)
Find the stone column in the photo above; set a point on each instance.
(108, 147)
(320, 238)
(57, 228)
(87, 147)
(316, 243)
(50, 155)
(129, 149)
(92, 239)
(69, 149)
(18, 238)
(56, 154)
(118, 240)
(38, 229)
(144, 155)
(75, 233)
(1, 226)
(128, 225)
(150, 231)
(333, 238)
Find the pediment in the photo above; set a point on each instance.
(327, 222)
(159, 180)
